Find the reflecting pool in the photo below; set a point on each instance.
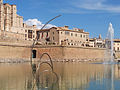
(66, 76)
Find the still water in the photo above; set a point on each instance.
(66, 76)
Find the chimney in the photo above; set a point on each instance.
(66, 27)
(81, 30)
(100, 36)
(75, 29)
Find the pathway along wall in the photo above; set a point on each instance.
(57, 53)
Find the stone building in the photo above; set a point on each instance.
(63, 36)
(11, 24)
(117, 45)
(96, 42)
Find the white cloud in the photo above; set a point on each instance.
(92, 5)
(38, 23)
(99, 5)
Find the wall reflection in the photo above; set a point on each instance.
(71, 76)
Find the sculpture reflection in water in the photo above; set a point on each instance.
(50, 77)
(43, 75)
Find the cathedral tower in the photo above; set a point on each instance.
(1, 1)
(1, 15)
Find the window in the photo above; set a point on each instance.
(46, 34)
(53, 32)
(76, 35)
(53, 38)
(67, 32)
(118, 48)
(42, 35)
(71, 34)
(25, 35)
(29, 33)
(81, 35)
(84, 36)
(61, 32)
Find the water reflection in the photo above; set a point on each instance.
(72, 76)
(43, 80)
(43, 75)
(109, 76)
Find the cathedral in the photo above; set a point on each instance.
(11, 24)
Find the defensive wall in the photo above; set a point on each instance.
(58, 53)
(70, 53)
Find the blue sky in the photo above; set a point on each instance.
(93, 16)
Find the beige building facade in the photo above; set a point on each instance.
(11, 24)
(117, 45)
(63, 36)
(96, 42)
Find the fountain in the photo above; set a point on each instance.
(109, 59)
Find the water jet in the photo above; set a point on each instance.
(109, 52)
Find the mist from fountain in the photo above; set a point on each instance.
(109, 58)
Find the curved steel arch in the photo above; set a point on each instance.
(39, 64)
(37, 37)
(49, 58)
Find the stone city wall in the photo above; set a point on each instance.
(57, 53)
(14, 53)
(65, 53)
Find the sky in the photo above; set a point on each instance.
(93, 16)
